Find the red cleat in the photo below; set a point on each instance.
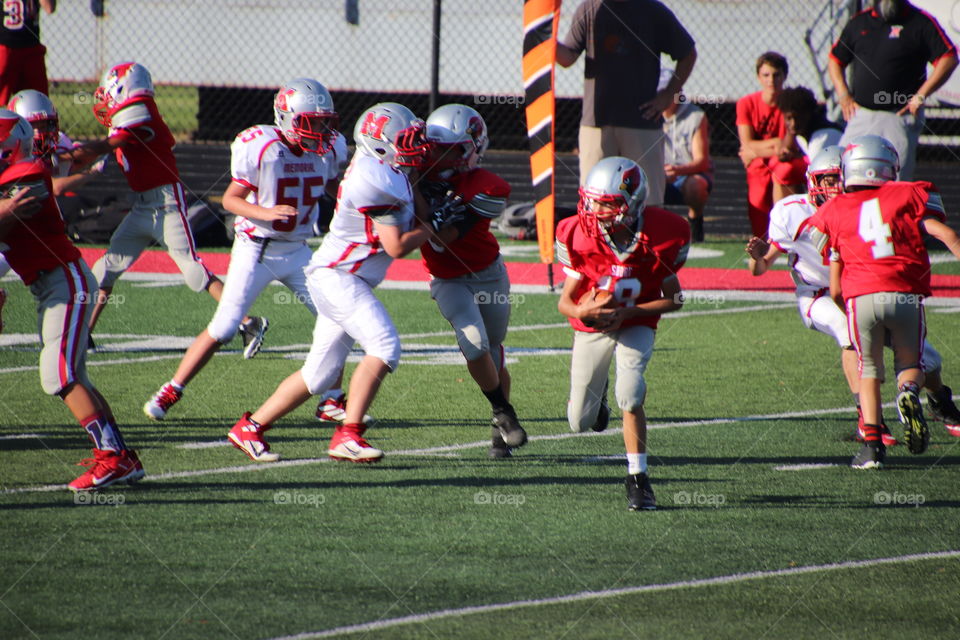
(107, 467)
(247, 436)
(348, 444)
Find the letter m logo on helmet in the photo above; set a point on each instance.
(281, 102)
(373, 125)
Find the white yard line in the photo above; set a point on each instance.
(434, 451)
(735, 578)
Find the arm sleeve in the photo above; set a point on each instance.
(842, 50)
(576, 39)
(244, 163)
(936, 39)
(675, 40)
(745, 111)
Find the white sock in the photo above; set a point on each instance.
(636, 463)
(176, 385)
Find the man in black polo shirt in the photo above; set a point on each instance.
(890, 45)
(622, 108)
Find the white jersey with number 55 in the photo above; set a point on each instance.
(371, 190)
(261, 162)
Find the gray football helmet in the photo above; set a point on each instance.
(37, 109)
(303, 111)
(16, 138)
(459, 130)
(824, 165)
(392, 133)
(120, 83)
(869, 161)
(614, 194)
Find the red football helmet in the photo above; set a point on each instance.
(613, 194)
(120, 83)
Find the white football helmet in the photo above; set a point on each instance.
(392, 133)
(869, 161)
(303, 111)
(16, 138)
(824, 165)
(37, 109)
(120, 83)
(614, 194)
(457, 130)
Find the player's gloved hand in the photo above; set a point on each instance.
(452, 210)
(433, 191)
(99, 165)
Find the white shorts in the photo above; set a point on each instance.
(347, 311)
(821, 313)
(252, 267)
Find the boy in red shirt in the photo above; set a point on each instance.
(881, 271)
(34, 242)
(621, 260)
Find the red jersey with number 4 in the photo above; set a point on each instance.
(40, 242)
(147, 157)
(879, 237)
(634, 275)
(486, 195)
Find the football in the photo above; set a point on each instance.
(601, 295)
(34, 189)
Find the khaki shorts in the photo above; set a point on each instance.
(158, 215)
(874, 317)
(64, 303)
(477, 306)
(590, 369)
(643, 146)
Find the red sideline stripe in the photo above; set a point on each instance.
(407, 270)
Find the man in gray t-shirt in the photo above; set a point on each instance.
(623, 41)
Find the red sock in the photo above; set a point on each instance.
(871, 434)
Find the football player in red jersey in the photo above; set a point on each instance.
(468, 278)
(34, 242)
(143, 146)
(881, 272)
(621, 260)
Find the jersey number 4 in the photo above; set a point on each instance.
(874, 231)
(311, 190)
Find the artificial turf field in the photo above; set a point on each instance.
(761, 531)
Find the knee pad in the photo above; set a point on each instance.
(196, 276)
(472, 342)
(107, 271)
(632, 400)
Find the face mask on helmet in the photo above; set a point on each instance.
(612, 196)
(458, 139)
(391, 133)
(303, 111)
(39, 111)
(119, 84)
(16, 138)
(823, 175)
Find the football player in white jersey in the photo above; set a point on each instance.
(788, 234)
(278, 173)
(380, 215)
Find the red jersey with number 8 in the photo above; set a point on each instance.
(878, 235)
(634, 275)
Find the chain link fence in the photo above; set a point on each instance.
(217, 63)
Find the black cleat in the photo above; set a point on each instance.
(915, 430)
(640, 494)
(943, 410)
(510, 430)
(870, 456)
(498, 449)
(252, 334)
(603, 416)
